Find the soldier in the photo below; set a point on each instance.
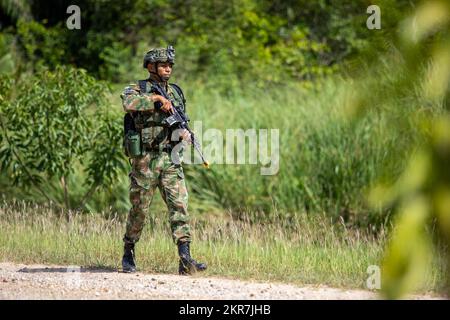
(153, 166)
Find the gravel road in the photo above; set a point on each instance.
(18, 281)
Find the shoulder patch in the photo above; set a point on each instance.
(131, 89)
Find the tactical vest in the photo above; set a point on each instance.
(153, 134)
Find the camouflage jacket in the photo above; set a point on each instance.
(147, 119)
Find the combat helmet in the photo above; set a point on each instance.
(159, 55)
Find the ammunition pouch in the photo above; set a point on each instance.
(132, 144)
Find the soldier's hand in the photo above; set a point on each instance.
(166, 104)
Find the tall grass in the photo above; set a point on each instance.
(305, 250)
(327, 160)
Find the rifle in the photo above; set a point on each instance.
(179, 120)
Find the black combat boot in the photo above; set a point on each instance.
(128, 264)
(187, 264)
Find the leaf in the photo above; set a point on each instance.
(409, 252)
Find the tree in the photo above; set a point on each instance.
(53, 122)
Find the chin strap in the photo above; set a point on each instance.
(161, 80)
(156, 75)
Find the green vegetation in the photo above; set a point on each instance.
(308, 250)
(362, 114)
(419, 71)
(327, 161)
(49, 129)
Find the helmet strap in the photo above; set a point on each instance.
(155, 73)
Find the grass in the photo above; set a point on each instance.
(304, 250)
(328, 160)
(305, 225)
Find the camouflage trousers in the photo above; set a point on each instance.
(151, 171)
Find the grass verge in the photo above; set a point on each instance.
(301, 250)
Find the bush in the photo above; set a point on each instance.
(54, 124)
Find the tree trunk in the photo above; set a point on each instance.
(66, 192)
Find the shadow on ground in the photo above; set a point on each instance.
(90, 269)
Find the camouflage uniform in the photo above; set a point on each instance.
(155, 167)
(152, 166)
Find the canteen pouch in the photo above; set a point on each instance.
(133, 144)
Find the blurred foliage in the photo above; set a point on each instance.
(41, 46)
(257, 41)
(11, 10)
(418, 63)
(7, 63)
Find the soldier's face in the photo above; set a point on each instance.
(164, 70)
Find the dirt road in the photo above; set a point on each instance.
(19, 281)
